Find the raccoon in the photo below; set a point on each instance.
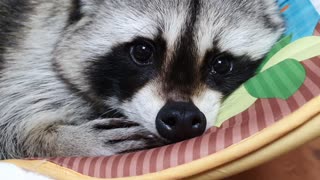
(101, 77)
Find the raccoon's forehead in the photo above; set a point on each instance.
(126, 20)
(239, 27)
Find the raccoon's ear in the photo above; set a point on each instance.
(80, 8)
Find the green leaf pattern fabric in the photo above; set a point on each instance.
(280, 81)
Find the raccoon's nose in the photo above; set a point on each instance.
(178, 121)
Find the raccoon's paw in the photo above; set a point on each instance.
(122, 136)
(107, 137)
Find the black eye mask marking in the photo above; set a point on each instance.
(227, 76)
(115, 74)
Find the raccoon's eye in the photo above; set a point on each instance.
(221, 65)
(142, 53)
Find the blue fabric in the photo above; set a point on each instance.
(301, 17)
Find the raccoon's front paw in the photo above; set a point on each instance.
(123, 136)
(107, 137)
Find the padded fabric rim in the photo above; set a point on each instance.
(303, 134)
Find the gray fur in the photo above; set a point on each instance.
(47, 107)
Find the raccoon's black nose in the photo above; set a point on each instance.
(178, 121)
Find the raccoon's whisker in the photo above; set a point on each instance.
(130, 112)
(114, 110)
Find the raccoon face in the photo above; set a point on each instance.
(166, 64)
